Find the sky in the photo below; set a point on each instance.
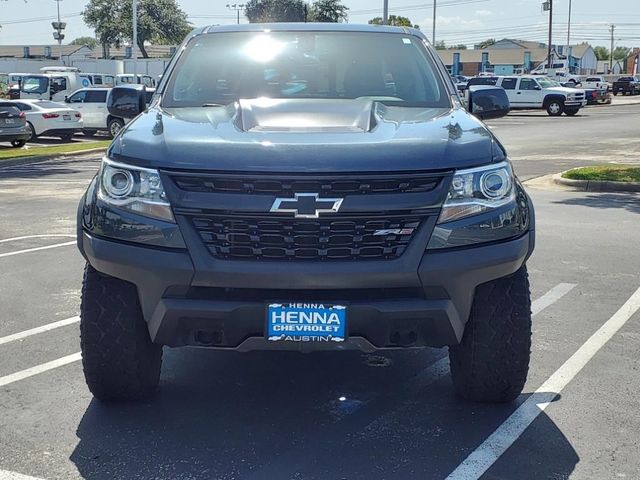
(458, 21)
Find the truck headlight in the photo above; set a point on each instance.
(136, 189)
(478, 190)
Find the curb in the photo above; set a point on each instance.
(44, 158)
(596, 185)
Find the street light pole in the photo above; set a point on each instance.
(59, 39)
(433, 33)
(237, 7)
(134, 41)
(549, 50)
(385, 12)
(569, 40)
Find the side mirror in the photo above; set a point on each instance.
(487, 102)
(66, 99)
(127, 101)
(537, 87)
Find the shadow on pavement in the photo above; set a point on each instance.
(626, 201)
(291, 416)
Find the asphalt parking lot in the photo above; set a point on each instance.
(345, 415)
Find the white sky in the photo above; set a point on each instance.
(462, 21)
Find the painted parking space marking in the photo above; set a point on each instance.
(483, 457)
(36, 249)
(44, 367)
(34, 331)
(551, 297)
(6, 475)
(28, 237)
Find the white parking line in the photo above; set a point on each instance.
(36, 249)
(483, 457)
(6, 475)
(45, 367)
(551, 297)
(36, 330)
(26, 237)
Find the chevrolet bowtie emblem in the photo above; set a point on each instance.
(306, 205)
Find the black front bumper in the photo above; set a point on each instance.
(417, 300)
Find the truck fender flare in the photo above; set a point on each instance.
(555, 96)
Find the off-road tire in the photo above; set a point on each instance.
(119, 360)
(492, 361)
(571, 111)
(551, 109)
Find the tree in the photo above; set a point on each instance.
(602, 53)
(159, 21)
(264, 11)
(460, 46)
(486, 44)
(440, 45)
(620, 53)
(395, 20)
(329, 11)
(88, 41)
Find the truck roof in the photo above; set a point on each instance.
(310, 27)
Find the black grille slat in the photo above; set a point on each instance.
(283, 238)
(358, 186)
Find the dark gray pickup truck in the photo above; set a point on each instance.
(627, 86)
(306, 187)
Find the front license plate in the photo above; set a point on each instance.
(306, 322)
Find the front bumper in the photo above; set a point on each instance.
(390, 304)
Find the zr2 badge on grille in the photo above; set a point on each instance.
(306, 322)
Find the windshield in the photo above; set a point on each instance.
(35, 84)
(545, 82)
(224, 67)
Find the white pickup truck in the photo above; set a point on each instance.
(534, 91)
(595, 83)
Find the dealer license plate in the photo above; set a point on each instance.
(306, 322)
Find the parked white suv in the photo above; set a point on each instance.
(533, 91)
(92, 104)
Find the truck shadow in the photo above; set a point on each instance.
(626, 201)
(290, 416)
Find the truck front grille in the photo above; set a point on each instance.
(249, 237)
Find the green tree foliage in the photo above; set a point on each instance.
(487, 43)
(395, 20)
(602, 53)
(440, 45)
(265, 11)
(159, 21)
(460, 46)
(329, 11)
(620, 53)
(88, 41)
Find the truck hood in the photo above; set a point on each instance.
(564, 90)
(297, 136)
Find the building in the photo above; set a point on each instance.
(46, 52)
(509, 57)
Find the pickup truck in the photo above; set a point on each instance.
(627, 86)
(537, 92)
(595, 83)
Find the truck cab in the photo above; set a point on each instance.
(53, 83)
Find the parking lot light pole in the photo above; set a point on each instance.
(433, 33)
(134, 41)
(237, 7)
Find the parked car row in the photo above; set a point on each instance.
(85, 111)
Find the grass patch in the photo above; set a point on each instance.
(37, 151)
(608, 173)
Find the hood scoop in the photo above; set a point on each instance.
(305, 115)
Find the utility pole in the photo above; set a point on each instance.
(549, 6)
(433, 33)
(385, 13)
(612, 30)
(569, 40)
(134, 41)
(237, 7)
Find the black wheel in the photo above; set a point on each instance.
(571, 111)
(492, 362)
(118, 358)
(18, 143)
(89, 133)
(615, 94)
(32, 131)
(67, 137)
(555, 108)
(114, 126)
